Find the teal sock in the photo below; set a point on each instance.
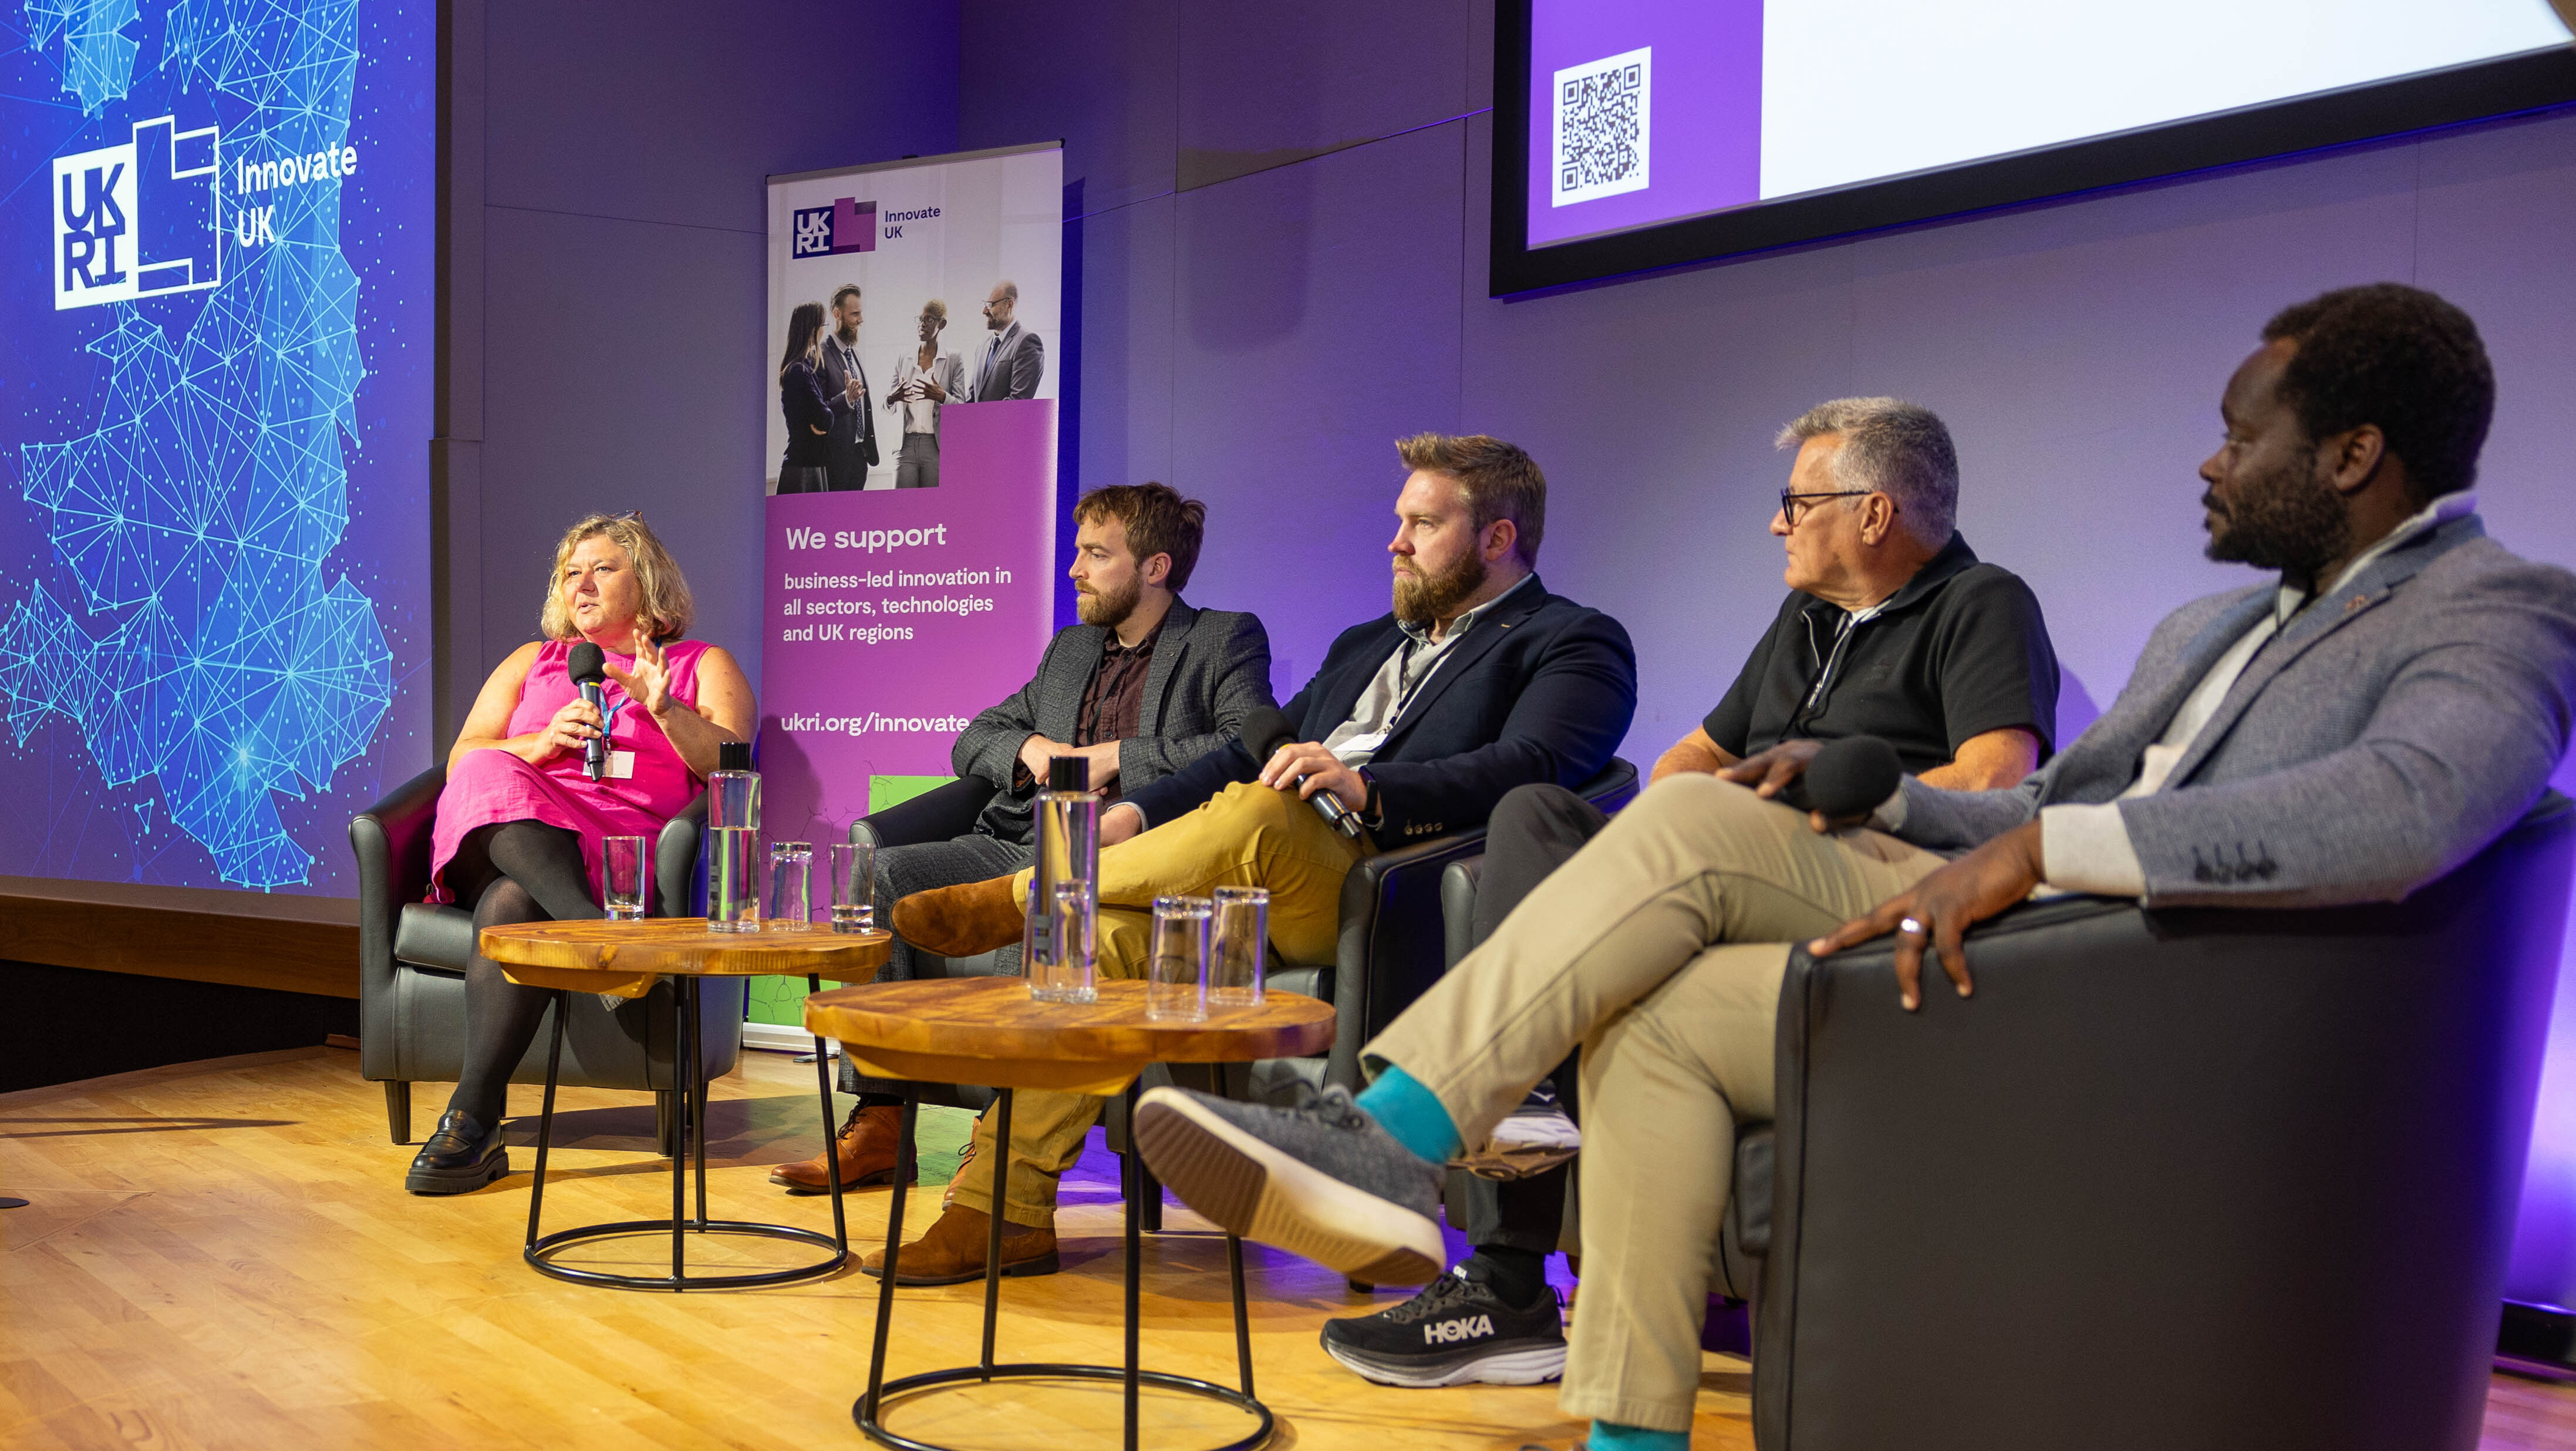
(1406, 1109)
(1609, 1436)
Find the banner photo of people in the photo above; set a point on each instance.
(911, 470)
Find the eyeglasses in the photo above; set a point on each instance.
(1790, 502)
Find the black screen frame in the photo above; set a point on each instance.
(2481, 90)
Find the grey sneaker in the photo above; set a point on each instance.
(1320, 1179)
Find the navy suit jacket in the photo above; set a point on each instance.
(1542, 689)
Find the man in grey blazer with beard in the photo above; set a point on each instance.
(1144, 686)
(2346, 732)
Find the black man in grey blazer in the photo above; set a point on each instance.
(1144, 686)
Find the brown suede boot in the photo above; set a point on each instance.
(865, 1151)
(953, 1251)
(960, 921)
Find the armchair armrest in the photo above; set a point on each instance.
(1396, 937)
(1391, 945)
(679, 870)
(391, 842)
(1459, 882)
(936, 815)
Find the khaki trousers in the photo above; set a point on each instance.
(1249, 835)
(1659, 950)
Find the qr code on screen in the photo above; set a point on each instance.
(1602, 114)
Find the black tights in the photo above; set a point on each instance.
(510, 871)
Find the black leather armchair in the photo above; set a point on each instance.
(942, 813)
(411, 972)
(1395, 942)
(2173, 1178)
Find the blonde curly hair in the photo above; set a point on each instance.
(667, 610)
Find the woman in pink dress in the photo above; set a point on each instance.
(520, 821)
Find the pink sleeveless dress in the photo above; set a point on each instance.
(488, 786)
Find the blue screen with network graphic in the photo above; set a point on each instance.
(217, 226)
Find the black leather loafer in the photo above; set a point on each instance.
(461, 1156)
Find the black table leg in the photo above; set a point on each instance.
(688, 1140)
(869, 1410)
(1133, 1165)
(1242, 1317)
(698, 1095)
(903, 1171)
(993, 1232)
(680, 1027)
(545, 1121)
(831, 1130)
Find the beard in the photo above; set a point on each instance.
(1108, 611)
(2288, 519)
(1423, 599)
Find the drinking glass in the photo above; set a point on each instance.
(1176, 976)
(854, 886)
(791, 886)
(621, 870)
(1238, 942)
(1069, 967)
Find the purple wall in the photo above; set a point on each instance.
(608, 315)
(1281, 268)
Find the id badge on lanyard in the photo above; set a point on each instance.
(621, 764)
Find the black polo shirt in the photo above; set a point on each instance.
(1959, 651)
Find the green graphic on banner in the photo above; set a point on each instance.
(781, 1000)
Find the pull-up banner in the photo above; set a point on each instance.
(910, 470)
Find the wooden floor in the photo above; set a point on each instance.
(222, 1255)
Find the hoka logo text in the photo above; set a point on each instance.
(1460, 1329)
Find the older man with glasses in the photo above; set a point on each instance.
(1892, 628)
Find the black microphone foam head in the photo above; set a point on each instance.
(1851, 776)
(1265, 729)
(587, 664)
(1068, 773)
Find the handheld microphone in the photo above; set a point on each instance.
(1264, 731)
(1847, 778)
(588, 666)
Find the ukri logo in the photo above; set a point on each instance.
(137, 220)
(847, 225)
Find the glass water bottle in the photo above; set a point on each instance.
(733, 836)
(1058, 961)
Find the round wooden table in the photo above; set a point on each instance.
(623, 959)
(989, 1031)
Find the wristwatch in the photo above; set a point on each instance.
(1372, 811)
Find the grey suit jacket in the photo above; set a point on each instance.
(1014, 369)
(1210, 668)
(2385, 735)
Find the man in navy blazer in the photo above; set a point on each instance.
(1418, 723)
